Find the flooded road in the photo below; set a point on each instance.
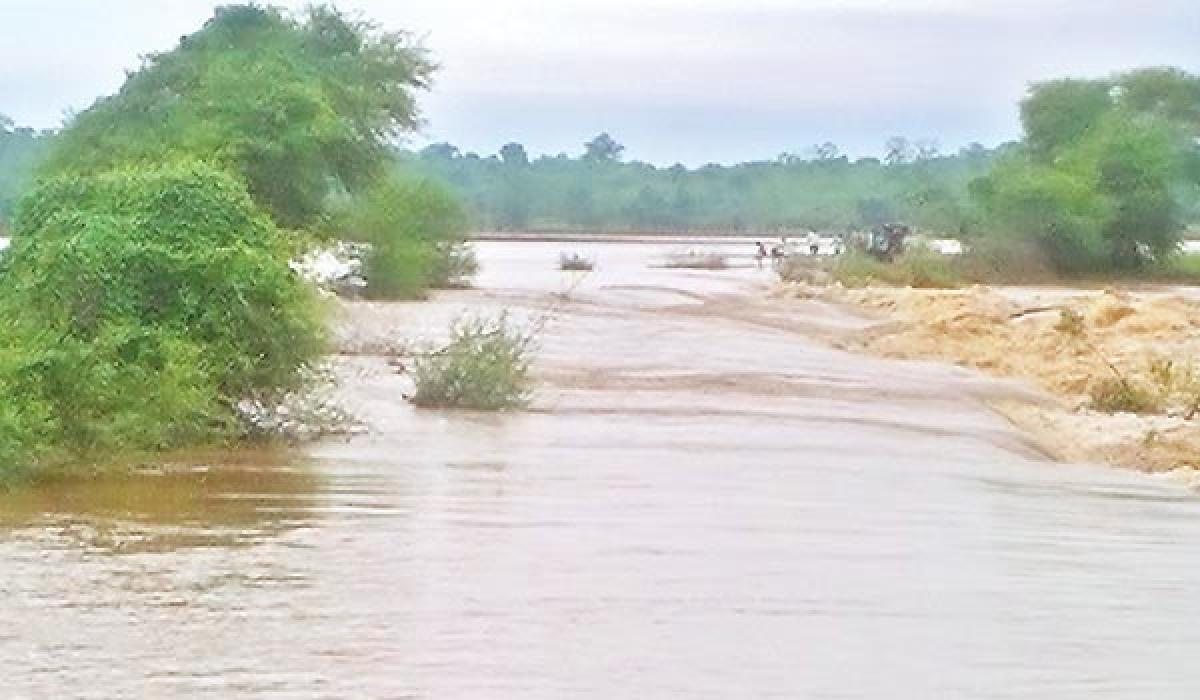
(706, 501)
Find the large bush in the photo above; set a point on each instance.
(417, 231)
(141, 306)
(485, 366)
(1057, 212)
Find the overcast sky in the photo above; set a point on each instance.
(674, 80)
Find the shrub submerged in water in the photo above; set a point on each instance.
(485, 366)
(416, 229)
(140, 307)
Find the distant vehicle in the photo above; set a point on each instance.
(886, 242)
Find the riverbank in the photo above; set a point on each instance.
(1121, 365)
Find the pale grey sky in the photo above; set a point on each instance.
(675, 80)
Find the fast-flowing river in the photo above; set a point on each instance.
(705, 501)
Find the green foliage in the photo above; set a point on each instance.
(298, 108)
(1168, 93)
(1059, 212)
(180, 247)
(1105, 176)
(485, 366)
(1107, 172)
(596, 190)
(1134, 165)
(1058, 113)
(603, 148)
(917, 267)
(416, 228)
(1181, 268)
(21, 149)
(454, 264)
(142, 305)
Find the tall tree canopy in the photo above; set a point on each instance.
(603, 148)
(297, 106)
(1108, 174)
(595, 190)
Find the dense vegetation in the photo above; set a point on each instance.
(485, 366)
(1107, 177)
(21, 149)
(1108, 174)
(298, 108)
(147, 290)
(416, 229)
(823, 190)
(140, 306)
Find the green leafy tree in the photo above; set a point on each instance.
(1168, 93)
(1058, 113)
(602, 149)
(1097, 183)
(514, 155)
(297, 107)
(1060, 213)
(1134, 163)
(561, 192)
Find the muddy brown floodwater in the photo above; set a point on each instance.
(704, 502)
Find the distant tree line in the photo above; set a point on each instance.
(820, 188)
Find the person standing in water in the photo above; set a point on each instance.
(760, 253)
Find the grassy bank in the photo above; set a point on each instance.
(921, 268)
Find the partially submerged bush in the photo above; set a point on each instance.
(297, 105)
(575, 262)
(484, 366)
(141, 306)
(454, 264)
(694, 260)
(417, 234)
